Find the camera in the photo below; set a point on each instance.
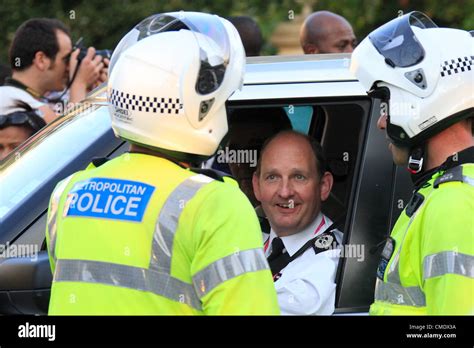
(103, 53)
(83, 51)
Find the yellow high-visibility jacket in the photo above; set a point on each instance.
(141, 235)
(431, 269)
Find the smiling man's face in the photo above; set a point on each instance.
(288, 185)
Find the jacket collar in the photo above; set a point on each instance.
(464, 156)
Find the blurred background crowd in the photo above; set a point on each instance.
(103, 23)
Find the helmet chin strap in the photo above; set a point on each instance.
(415, 161)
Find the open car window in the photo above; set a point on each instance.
(251, 125)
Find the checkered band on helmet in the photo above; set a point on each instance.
(135, 102)
(455, 66)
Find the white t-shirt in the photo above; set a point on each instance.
(9, 95)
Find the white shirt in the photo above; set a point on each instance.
(9, 95)
(307, 284)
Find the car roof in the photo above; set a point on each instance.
(298, 69)
(281, 70)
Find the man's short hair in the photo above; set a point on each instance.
(34, 35)
(321, 162)
(250, 34)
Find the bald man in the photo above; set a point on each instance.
(327, 32)
(291, 181)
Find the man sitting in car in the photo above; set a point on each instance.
(302, 249)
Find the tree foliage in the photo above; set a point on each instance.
(103, 23)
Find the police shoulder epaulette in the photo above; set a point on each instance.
(212, 173)
(415, 202)
(452, 174)
(98, 161)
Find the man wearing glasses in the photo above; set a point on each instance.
(42, 59)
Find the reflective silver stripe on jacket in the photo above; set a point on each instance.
(52, 226)
(448, 262)
(397, 294)
(135, 278)
(167, 222)
(229, 267)
(468, 180)
(433, 265)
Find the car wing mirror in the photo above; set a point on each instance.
(25, 284)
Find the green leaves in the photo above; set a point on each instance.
(103, 23)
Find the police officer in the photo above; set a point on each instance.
(424, 76)
(302, 248)
(143, 233)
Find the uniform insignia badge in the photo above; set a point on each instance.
(324, 241)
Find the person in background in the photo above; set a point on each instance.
(42, 59)
(250, 34)
(17, 127)
(327, 32)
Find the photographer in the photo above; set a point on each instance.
(43, 60)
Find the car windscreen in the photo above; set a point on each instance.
(50, 150)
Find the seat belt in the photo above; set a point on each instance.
(320, 243)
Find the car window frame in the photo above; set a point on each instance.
(319, 101)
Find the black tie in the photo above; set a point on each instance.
(277, 259)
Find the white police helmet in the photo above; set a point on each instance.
(424, 73)
(170, 78)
